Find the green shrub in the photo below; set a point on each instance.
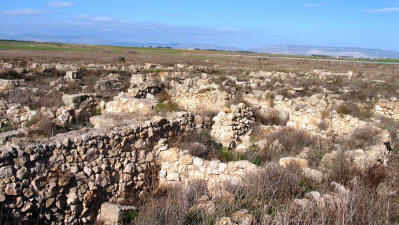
(166, 106)
(130, 216)
(256, 160)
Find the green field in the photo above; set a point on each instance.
(22, 45)
(45, 46)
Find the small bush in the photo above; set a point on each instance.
(11, 75)
(354, 110)
(291, 140)
(345, 109)
(6, 126)
(226, 155)
(375, 175)
(129, 217)
(163, 96)
(360, 138)
(323, 125)
(256, 160)
(264, 192)
(172, 206)
(38, 99)
(166, 107)
(341, 171)
(271, 118)
(362, 206)
(46, 127)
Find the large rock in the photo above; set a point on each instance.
(313, 175)
(64, 116)
(74, 100)
(128, 104)
(113, 214)
(358, 159)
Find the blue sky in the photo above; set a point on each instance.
(242, 24)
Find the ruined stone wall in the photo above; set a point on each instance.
(181, 167)
(388, 108)
(65, 180)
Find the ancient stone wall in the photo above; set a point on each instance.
(181, 167)
(66, 179)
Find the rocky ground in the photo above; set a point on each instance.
(196, 144)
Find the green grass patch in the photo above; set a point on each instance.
(227, 155)
(166, 106)
(7, 127)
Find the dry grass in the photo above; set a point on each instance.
(362, 207)
(359, 138)
(36, 99)
(171, 205)
(292, 141)
(267, 195)
(271, 118)
(203, 137)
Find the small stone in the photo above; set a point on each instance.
(21, 173)
(11, 189)
(129, 168)
(172, 176)
(187, 159)
(27, 207)
(169, 155)
(72, 198)
(242, 217)
(5, 172)
(92, 154)
(224, 221)
(87, 171)
(198, 161)
(28, 193)
(149, 157)
(50, 202)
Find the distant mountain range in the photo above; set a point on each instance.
(273, 49)
(327, 51)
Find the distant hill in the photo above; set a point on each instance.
(102, 41)
(328, 51)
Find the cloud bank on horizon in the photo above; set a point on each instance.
(367, 23)
(60, 4)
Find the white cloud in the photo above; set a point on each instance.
(97, 19)
(24, 12)
(62, 4)
(382, 10)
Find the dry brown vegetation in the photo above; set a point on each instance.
(268, 196)
(374, 71)
(36, 99)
